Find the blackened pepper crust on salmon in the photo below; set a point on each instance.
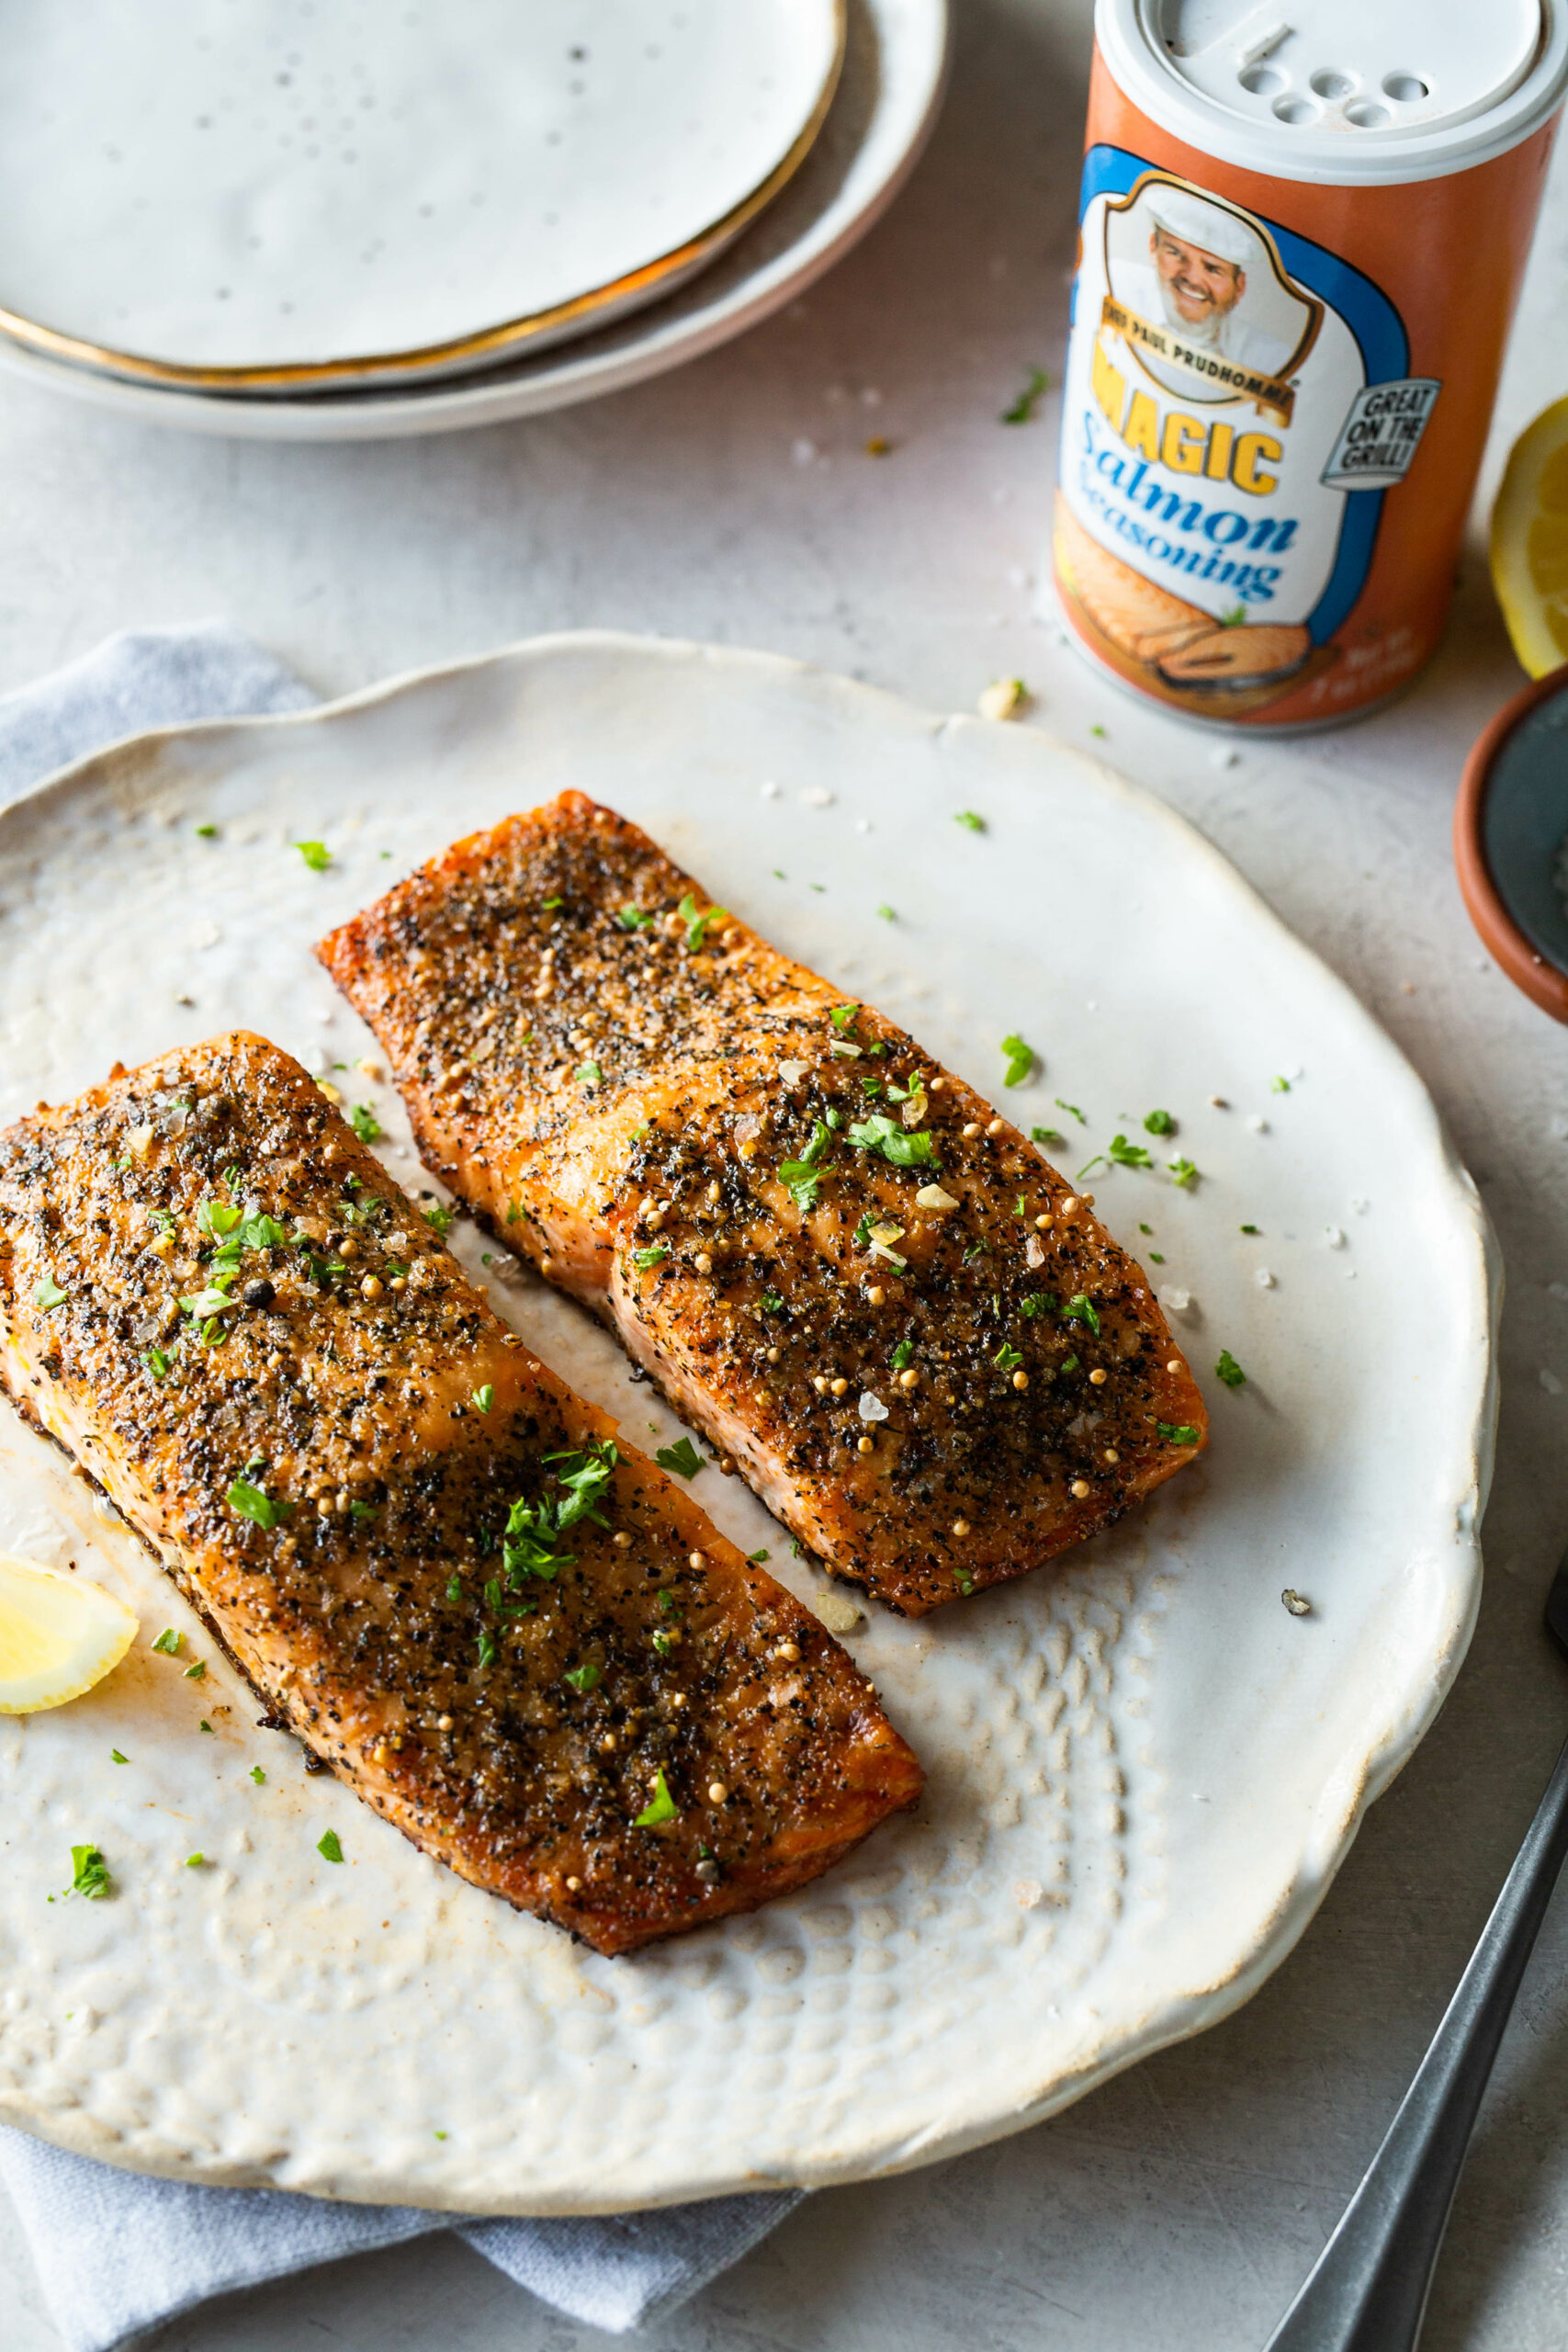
(920, 1346)
(518, 1641)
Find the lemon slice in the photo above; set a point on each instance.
(1530, 542)
(59, 1634)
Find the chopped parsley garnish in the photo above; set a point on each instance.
(1081, 1309)
(329, 1846)
(1183, 1174)
(1007, 1358)
(169, 1642)
(454, 1586)
(365, 1122)
(1074, 1109)
(551, 904)
(1279, 1086)
(1160, 1123)
(663, 1643)
(1020, 1060)
(205, 833)
(582, 1679)
(1097, 730)
(250, 1502)
(682, 1456)
(1068, 1364)
(257, 1775)
(888, 914)
(483, 1399)
(440, 1218)
(513, 1211)
(756, 1558)
(970, 822)
(660, 1807)
(1178, 1433)
(90, 1873)
(1036, 385)
(316, 855)
(802, 1178)
(1250, 1228)
(903, 1355)
(194, 1861)
(873, 1085)
(116, 1758)
(632, 917)
(643, 1259)
(1157, 1258)
(697, 924)
(842, 1017)
(1046, 1134)
(156, 1361)
(589, 1074)
(1039, 1302)
(49, 1295)
(205, 1725)
(196, 1671)
(487, 1647)
(964, 1581)
(1090, 1166)
(263, 1232)
(357, 1510)
(1144, 1228)
(895, 1143)
(217, 1217)
(1128, 1155)
(1229, 1370)
(772, 1303)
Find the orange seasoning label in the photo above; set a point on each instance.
(1277, 395)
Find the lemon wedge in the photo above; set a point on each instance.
(59, 1634)
(1530, 542)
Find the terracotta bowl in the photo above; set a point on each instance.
(1510, 825)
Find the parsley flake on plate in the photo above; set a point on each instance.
(440, 1218)
(1229, 1370)
(168, 1642)
(970, 820)
(196, 1670)
(584, 1678)
(660, 1807)
(483, 1399)
(365, 1122)
(1020, 1060)
(1007, 1358)
(1081, 1309)
(205, 833)
(697, 924)
(258, 1776)
(90, 1873)
(1073, 1107)
(632, 917)
(756, 1558)
(116, 1758)
(1160, 1123)
(1183, 1174)
(1279, 1086)
(1046, 1134)
(682, 1456)
(1178, 1433)
(1128, 1155)
(888, 914)
(316, 855)
(49, 1295)
(329, 1846)
(652, 1256)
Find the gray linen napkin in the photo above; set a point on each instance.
(119, 2254)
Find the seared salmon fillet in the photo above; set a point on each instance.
(868, 1290)
(505, 1631)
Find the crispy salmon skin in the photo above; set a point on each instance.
(920, 1348)
(509, 1634)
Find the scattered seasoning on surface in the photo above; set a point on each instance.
(207, 832)
(1037, 384)
(879, 445)
(632, 917)
(1296, 1602)
(329, 1848)
(316, 855)
(590, 1075)
(168, 1642)
(757, 1558)
(682, 1456)
(1229, 1370)
(1080, 1308)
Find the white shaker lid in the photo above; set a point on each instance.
(1348, 92)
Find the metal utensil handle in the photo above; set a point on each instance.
(1368, 2293)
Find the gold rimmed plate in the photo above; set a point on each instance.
(267, 197)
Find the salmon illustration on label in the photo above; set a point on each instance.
(1236, 409)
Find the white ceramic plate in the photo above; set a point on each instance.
(285, 200)
(886, 101)
(1144, 1772)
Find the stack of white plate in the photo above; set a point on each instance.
(325, 219)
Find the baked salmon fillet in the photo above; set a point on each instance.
(505, 1631)
(872, 1294)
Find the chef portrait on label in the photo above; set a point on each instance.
(1202, 277)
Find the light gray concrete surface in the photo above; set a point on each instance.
(1180, 2207)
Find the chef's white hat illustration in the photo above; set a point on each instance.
(1198, 222)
